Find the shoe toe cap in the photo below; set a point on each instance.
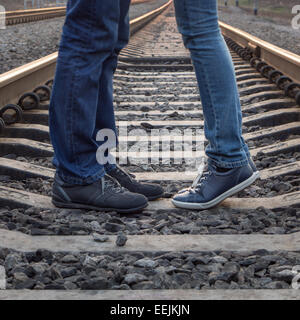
(151, 190)
(187, 196)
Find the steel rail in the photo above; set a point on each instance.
(29, 15)
(22, 16)
(281, 59)
(16, 82)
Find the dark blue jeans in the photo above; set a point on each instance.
(198, 23)
(82, 99)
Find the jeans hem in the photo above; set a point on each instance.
(82, 181)
(109, 167)
(229, 165)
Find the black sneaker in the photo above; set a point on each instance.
(104, 195)
(150, 190)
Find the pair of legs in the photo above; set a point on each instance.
(81, 106)
(197, 21)
(230, 168)
(82, 100)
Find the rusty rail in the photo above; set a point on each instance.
(283, 60)
(23, 16)
(16, 82)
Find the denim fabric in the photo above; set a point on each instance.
(197, 21)
(82, 99)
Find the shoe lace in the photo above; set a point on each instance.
(203, 173)
(110, 184)
(125, 173)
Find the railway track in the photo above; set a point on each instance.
(247, 248)
(24, 16)
(32, 15)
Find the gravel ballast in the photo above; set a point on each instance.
(35, 221)
(275, 32)
(141, 271)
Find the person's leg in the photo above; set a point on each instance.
(229, 169)
(198, 23)
(150, 190)
(89, 38)
(105, 110)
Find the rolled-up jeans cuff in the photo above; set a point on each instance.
(228, 164)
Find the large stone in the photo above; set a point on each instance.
(27, 284)
(68, 272)
(133, 278)
(20, 277)
(39, 268)
(219, 259)
(99, 238)
(121, 240)
(146, 263)
(90, 262)
(70, 285)
(95, 226)
(69, 259)
(113, 227)
(11, 261)
(284, 275)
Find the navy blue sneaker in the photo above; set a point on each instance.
(212, 187)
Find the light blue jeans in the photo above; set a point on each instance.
(197, 21)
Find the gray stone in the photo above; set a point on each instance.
(69, 259)
(200, 260)
(40, 268)
(248, 261)
(219, 284)
(20, 277)
(181, 278)
(70, 285)
(219, 259)
(54, 272)
(215, 267)
(27, 284)
(275, 230)
(95, 226)
(11, 261)
(284, 275)
(213, 277)
(233, 285)
(100, 238)
(146, 263)
(121, 240)
(113, 227)
(68, 272)
(260, 265)
(90, 261)
(39, 286)
(133, 278)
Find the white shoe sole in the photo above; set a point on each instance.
(220, 198)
